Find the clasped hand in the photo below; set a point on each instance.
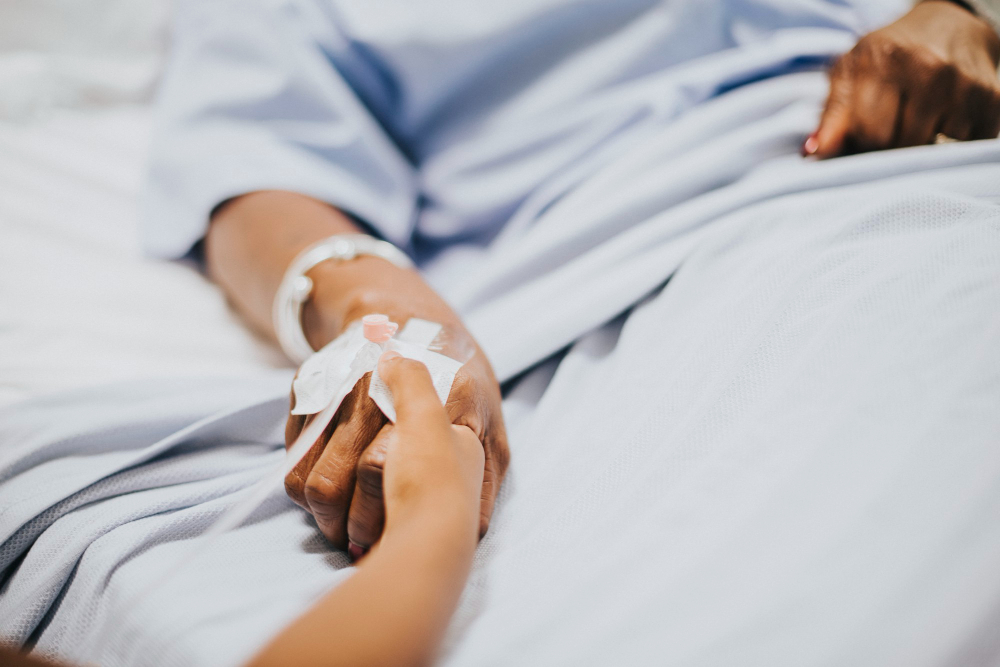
(933, 72)
(340, 481)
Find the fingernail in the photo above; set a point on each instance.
(811, 145)
(355, 551)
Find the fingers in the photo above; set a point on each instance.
(295, 481)
(367, 513)
(862, 112)
(492, 477)
(875, 118)
(916, 126)
(465, 407)
(985, 103)
(329, 486)
(497, 458)
(895, 89)
(834, 125)
(413, 393)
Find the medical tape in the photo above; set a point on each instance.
(323, 382)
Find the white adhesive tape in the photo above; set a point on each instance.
(327, 377)
(442, 369)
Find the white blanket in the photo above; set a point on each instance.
(787, 456)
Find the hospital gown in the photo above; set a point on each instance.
(751, 398)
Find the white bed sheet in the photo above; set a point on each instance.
(79, 304)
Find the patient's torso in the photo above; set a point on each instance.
(515, 93)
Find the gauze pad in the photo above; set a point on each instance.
(325, 375)
(326, 383)
(322, 374)
(443, 370)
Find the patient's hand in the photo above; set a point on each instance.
(395, 609)
(340, 482)
(932, 72)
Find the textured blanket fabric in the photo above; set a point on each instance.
(786, 456)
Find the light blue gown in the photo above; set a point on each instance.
(444, 119)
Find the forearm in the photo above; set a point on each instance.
(394, 610)
(253, 238)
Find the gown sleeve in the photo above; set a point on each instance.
(252, 100)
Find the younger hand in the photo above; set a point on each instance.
(932, 72)
(340, 481)
(433, 468)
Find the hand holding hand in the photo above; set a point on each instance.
(432, 467)
(394, 610)
(341, 480)
(932, 72)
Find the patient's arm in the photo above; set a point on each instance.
(250, 243)
(932, 72)
(395, 608)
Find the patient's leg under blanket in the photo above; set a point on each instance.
(787, 456)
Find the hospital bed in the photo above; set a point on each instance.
(760, 527)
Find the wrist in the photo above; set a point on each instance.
(344, 292)
(441, 521)
(964, 22)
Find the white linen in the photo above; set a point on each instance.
(83, 54)
(80, 305)
(785, 457)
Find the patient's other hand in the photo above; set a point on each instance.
(932, 72)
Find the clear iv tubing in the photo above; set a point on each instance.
(378, 332)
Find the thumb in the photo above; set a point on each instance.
(829, 139)
(412, 390)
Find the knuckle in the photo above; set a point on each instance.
(939, 72)
(325, 494)
(373, 459)
(369, 473)
(893, 53)
(462, 389)
(365, 524)
(471, 418)
(982, 94)
(867, 46)
(294, 487)
(949, 72)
